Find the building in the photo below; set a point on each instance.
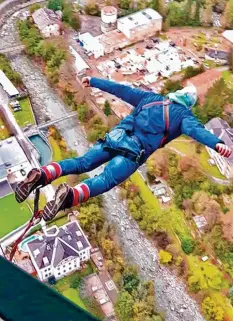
(200, 222)
(80, 64)
(91, 44)
(221, 129)
(108, 18)
(7, 85)
(228, 35)
(47, 21)
(217, 55)
(14, 165)
(204, 81)
(60, 251)
(141, 24)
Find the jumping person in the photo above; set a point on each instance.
(154, 122)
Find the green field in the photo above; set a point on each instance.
(3, 130)
(228, 77)
(73, 295)
(12, 214)
(188, 147)
(24, 117)
(146, 194)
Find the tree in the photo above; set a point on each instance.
(190, 168)
(107, 108)
(166, 24)
(187, 245)
(55, 5)
(90, 215)
(34, 7)
(124, 306)
(206, 14)
(192, 71)
(125, 4)
(83, 112)
(211, 310)
(130, 281)
(165, 257)
(171, 85)
(228, 15)
(230, 60)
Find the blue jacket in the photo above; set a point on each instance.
(148, 124)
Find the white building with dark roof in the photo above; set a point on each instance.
(141, 23)
(221, 129)
(60, 251)
(47, 21)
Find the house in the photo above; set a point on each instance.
(204, 81)
(144, 23)
(60, 251)
(91, 44)
(47, 21)
(14, 165)
(218, 55)
(80, 65)
(221, 129)
(200, 222)
(7, 85)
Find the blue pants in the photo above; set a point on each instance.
(117, 170)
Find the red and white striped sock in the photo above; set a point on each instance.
(52, 171)
(81, 194)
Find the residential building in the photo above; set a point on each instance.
(7, 85)
(60, 251)
(47, 21)
(80, 65)
(204, 81)
(217, 55)
(221, 129)
(91, 44)
(14, 165)
(141, 24)
(228, 35)
(200, 222)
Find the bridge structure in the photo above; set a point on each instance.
(12, 50)
(52, 122)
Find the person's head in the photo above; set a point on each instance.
(186, 96)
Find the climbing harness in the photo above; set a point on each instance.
(165, 115)
(36, 218)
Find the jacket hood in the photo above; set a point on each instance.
(186, 96)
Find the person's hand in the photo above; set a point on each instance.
(86, 81)
(223, 150)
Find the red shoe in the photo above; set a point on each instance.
(35, 178)
(63, 199)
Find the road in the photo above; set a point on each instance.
(170, 293)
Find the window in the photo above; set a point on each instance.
(69, 268)
(70, 263)
(59, 273)
(46, 275)
(45, 270)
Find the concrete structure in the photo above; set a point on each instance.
(91, 44)
(47, 22)
(141, 24)
(228, 35)
(80, 65)
(221, 129)
(60, 251)
(108, 18)
(7, 85)
(14, 165)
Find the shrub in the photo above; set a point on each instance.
(187, 245)
(165, 257)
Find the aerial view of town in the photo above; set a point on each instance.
(157, 246)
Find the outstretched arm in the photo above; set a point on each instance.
(131, 95)
(193, 128)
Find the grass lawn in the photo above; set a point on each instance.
(146, 194)
(24, 117)
(42, 201)
(3, 130)
(228, 77)
(12, 214)
(73, 295)
(59, 222)
(188, 147)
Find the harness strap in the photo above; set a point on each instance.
(125, 153)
